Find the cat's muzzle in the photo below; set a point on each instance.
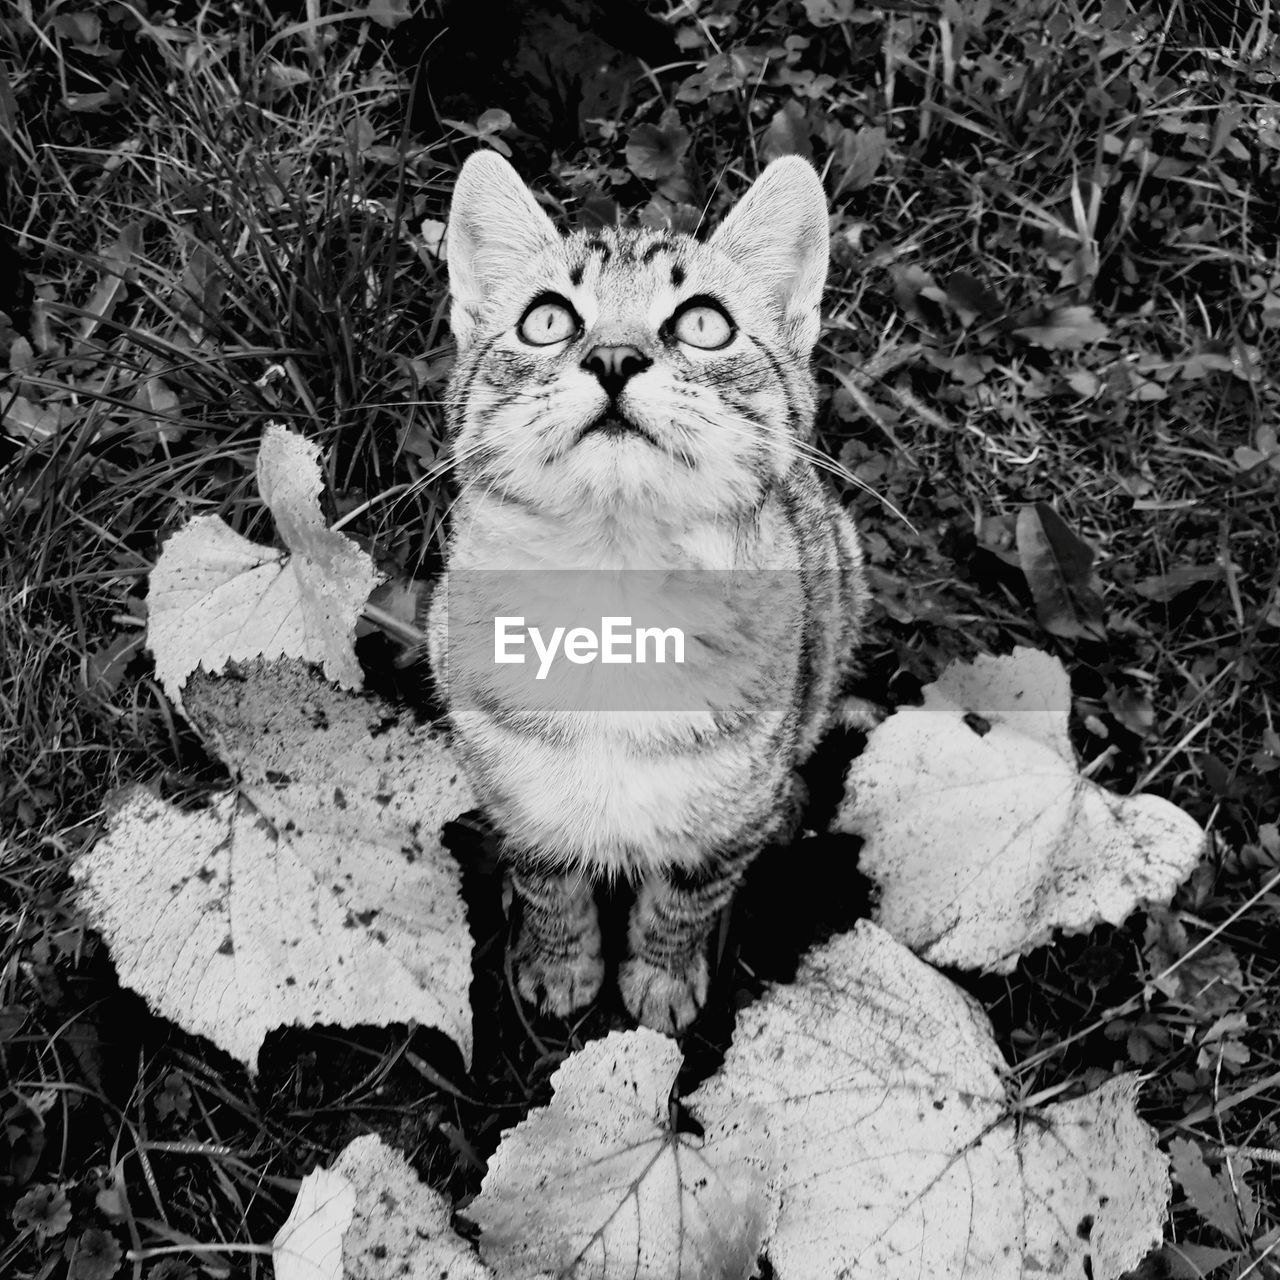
(615, 426)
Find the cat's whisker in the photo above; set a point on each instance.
(525, 448)
(819, 459)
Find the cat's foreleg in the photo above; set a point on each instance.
(664, 981)
(556, 959)
(665, 978)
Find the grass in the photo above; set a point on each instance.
(259, 184)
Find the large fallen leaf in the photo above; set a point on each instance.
(215, 596)
(402, 1227)
(309, 1244)
(317, 892)
(368, 1217)
(980, 833)
(900, 1152)
(598, 1184)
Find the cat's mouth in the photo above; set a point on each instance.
(613, 426)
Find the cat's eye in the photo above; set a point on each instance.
(703, 324)
(549, 319)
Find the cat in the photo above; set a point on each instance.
(636, 404)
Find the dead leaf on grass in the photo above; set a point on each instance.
(980, 833)
(598, 1184)
(368, 1217)
(402, 1227)
(309, 1244)
(900, 1152)
(317, 892)
(215, 596)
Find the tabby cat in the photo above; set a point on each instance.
(637, 400)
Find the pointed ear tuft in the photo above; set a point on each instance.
(777, 234)
(495, 226)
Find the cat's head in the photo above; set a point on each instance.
(633, 367)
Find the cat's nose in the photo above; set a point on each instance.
(614, 366)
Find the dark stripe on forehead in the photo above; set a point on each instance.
(597, 245)
(657, 247)
(677, 275)
(575, 276)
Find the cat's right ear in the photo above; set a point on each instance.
(495, 226)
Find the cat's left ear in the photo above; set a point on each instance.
(777, 234)
(495, 227)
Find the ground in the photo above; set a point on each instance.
(1054, 305)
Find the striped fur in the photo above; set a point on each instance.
(678, 802)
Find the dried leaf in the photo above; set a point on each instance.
(319, 893)
(309, 1244)
(901, 1153)
(598, 1186)
(1023, 845)
(401, 1227)
(1059, 570)
(216, 596)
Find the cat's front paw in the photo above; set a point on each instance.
(555, 984)
(660, 999)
